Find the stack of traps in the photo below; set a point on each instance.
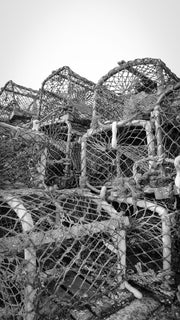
(73, 245)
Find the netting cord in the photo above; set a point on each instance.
(166, 227)
(151, 159)
(129, 65)
(29, 254)
(150, 140)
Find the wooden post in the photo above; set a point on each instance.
(157, 115)
(119, 241)
(166, 239)
(114, 135)
(158, 131)
(94, 108)
(41, 168)
(68, 146)
(150, 141)
(83, 176)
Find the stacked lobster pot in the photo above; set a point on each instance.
(18, 104)
(65, 115)
(126, 158)
(83, 220)
(125, 127)
(18, 113)
(63, 248)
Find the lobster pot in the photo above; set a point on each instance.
(59, 252)
(131, 89)
(63, 165)
(45, 158)
(65, 91)
(18, 104)
(167, 116)
(22, 158)
(111, 152)
(149, 241)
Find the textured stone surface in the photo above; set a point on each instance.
(138, 309)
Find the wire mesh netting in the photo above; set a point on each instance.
(131, 90)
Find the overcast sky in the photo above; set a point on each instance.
(89, 36)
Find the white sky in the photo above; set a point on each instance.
(90, 36)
